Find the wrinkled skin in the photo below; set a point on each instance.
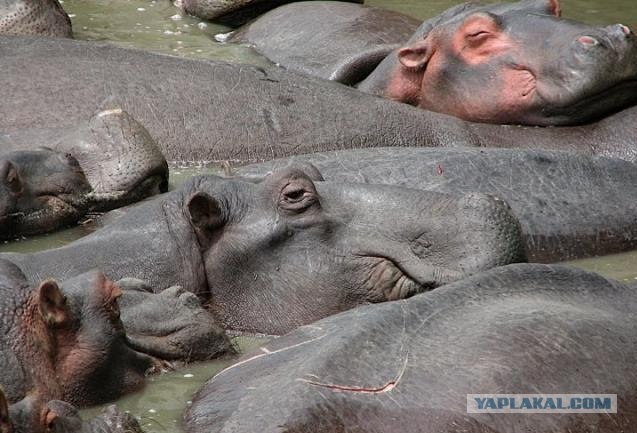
(47, 349)
(532, 67)
(31, 415)
(232, 12)
(108, 163)
(40, 191)
(34, 17)
(258, 251)
(569, 206)
(288, 113)
(333, 40)
(408, 365)
(171, 325)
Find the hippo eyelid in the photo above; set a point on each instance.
(588, 41)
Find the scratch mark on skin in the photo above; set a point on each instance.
(379, 390)
(267, 352)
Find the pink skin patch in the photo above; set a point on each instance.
(587, 40)
(627, 31)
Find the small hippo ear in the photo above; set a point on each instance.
(205, 214)
(52, 303)
(5, 422)
(9, 176)
(416, 56)
(548, 7)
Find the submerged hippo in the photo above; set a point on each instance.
(34, 17)
(272, 255)
(31, 415)
(110, 162)
(409, 365)
(232, 12)
(48, 350)
(569, 206)
(479, 63)
(334, 40)
(237, 112)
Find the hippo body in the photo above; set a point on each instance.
(569, 206)
(258, 251)
(109, 162)
(284, 113)
(409, 365)
(48, 351)
(332, 40)
(232, 12)
(484, 63)
(34, 17)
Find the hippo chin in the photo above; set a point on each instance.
(232, 12)
(34, 17)
(409, 366)
(290, 249)
(531, 66)
(108, 163)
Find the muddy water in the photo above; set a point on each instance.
(157, 25)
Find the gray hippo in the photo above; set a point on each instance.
(270, 256)
(569, 206)
(409, 366)
(232, 12)
(219, 111)
(334, 40)
(34, 17)
(479, 63)
(32, 415)
(103, 164)
(47, 349)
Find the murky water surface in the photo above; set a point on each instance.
(157, 25)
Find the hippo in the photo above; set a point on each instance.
(246, 113)
(46, 349)
(333, 40)
(479, 63)
(232, 12)
(569, 205)
(34, 17)
(31, 415)
(268, 256)
(109, 162)
(410, 365)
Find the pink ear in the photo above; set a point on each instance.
(416, 56)
(553, 7)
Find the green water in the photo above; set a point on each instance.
(158, 26)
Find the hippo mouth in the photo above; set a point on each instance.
(389, 281)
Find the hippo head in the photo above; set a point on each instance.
(287, 250)
(94, 361)
(10, 190)
(518, 64)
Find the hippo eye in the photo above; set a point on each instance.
(588, 41)
(295, 197)
(13, 180)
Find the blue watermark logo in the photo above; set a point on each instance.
(541, 403)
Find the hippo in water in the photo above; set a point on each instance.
(479, 63)
(109, 162)
(232, 12)
(569, 206)
(244, 113)
(269, 256)
(48, 350)
(31, 415)
(34, 17)
(409, 366)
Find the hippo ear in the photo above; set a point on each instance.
(52, 303)
(548, 7)
(205, 214)
(416, 56)
(5, 422)
(9, 176)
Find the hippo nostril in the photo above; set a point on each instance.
(588, 40)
